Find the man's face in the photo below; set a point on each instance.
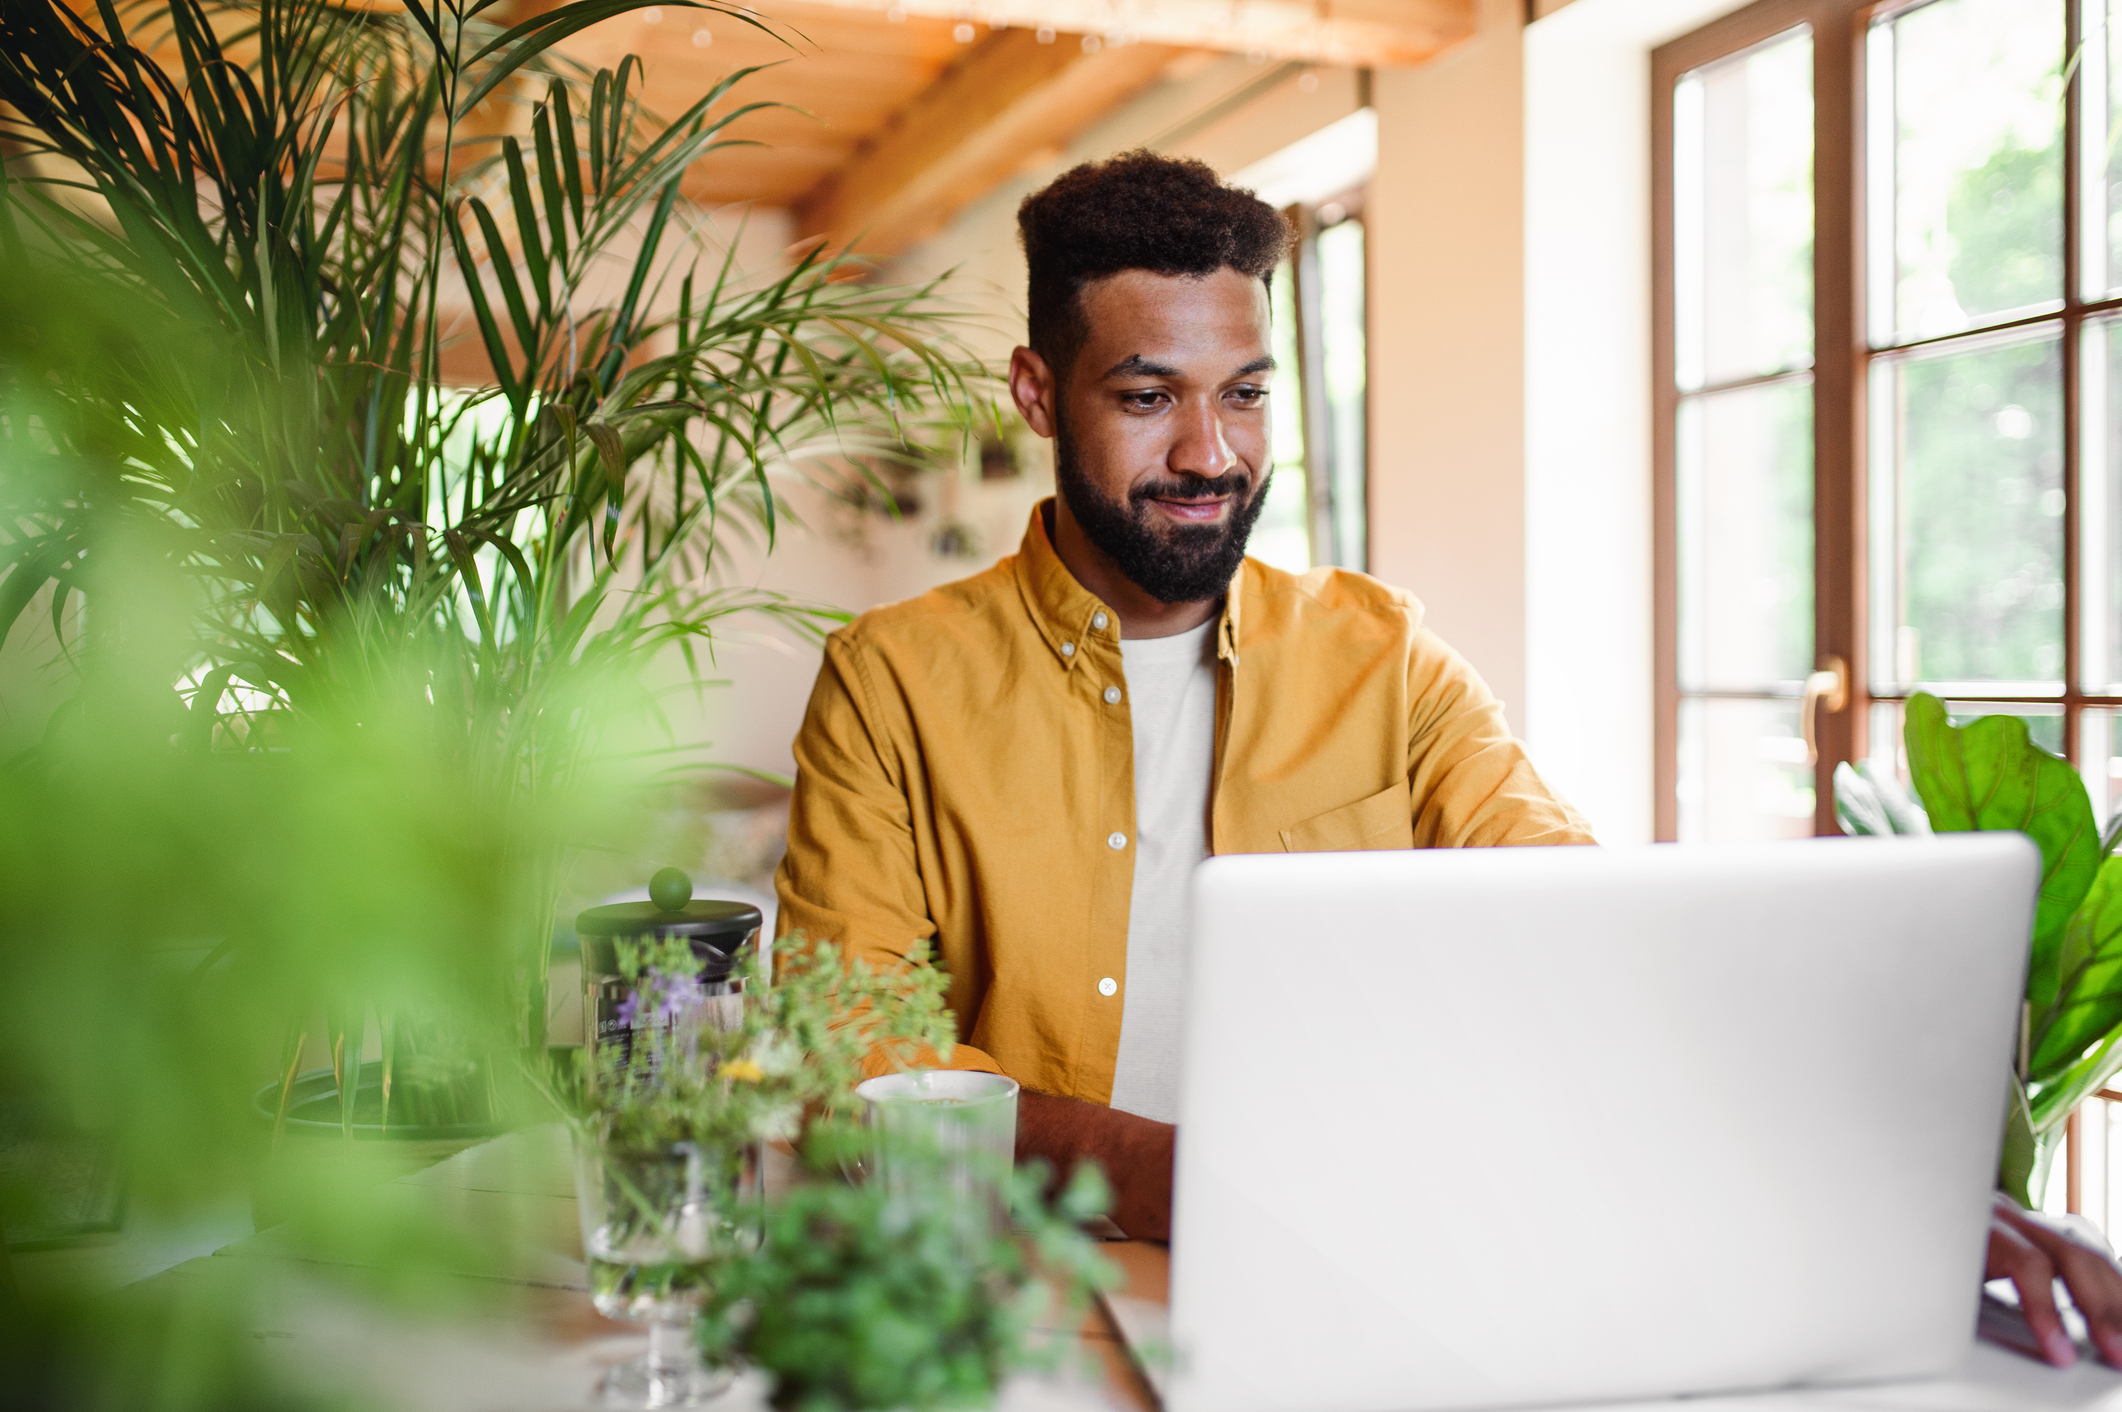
(1161, 426)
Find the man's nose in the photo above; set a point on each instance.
(1201, 448)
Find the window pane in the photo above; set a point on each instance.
(1341, 301)
(1745, 513)
(1281, 535)
(1742, 772)
(1885, 747)
(2100, 509)
(2101, 167)
(1970, 126)
(2100, 759)
(1743, 213)
(1967, 517)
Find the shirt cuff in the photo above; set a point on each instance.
(879, 1062)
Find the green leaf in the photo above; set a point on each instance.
(2053, 1101)
(1868, 802)
(539, 33)
(549, 188)
(498, 260)
(504, 367)
(1990, 775)
(1857, 806)
(610, 448)
(2089, 1002)
(570, 152)
(522, 197)
(2015, 1168)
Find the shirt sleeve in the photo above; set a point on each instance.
(1471, 782)
(852, 873)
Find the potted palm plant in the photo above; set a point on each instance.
(340, 200)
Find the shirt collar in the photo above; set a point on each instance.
(1067, 614)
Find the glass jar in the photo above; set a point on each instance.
(613, 1013)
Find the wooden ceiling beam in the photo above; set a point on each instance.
(1014, 99)
(1360, 33)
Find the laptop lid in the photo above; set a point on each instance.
(1490, 1127)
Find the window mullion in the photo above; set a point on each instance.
(2073, 323)
(1838, 364)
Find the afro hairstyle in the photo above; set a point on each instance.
(1136, 211)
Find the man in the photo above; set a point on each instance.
(1022, 768)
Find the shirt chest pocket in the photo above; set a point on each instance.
(1384, 820)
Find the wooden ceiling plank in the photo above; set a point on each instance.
(969, 131)
(1354, 32)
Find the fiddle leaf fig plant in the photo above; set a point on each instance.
(1989, 774)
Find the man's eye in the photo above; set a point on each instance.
(1247, 396)
(1141, 401)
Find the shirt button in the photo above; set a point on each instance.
(1116, 840)
(1112, 696)
(1098, 621)
(1107, 986)
(1068, 649)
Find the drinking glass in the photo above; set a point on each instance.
(952, 1127)
(654, 1223)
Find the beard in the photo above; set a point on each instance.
(1172, 563)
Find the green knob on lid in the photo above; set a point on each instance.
(670, 889)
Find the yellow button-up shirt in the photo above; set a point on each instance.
(965, 776)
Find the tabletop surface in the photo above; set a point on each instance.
(535, 1343)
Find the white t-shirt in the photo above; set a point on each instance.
(1171, 690)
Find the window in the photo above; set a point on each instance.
(1889, 431)
(1742, 320)
(1317, 511)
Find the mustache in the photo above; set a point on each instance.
(1191, 488)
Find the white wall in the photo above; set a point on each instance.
(1444, 218)
(1589, 710)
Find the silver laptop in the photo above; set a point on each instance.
(1497, 1127)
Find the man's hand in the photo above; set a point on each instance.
(1135, 1152)
(2034, 1251)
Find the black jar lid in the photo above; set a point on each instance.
(717, 932)
(701, 917)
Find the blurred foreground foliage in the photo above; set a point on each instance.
(166, 907)
(350, 657)
(905, 1294)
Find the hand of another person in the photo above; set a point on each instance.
(2034, 1251)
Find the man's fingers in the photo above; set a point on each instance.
(2095, 1286)
(2013, 1256)
(2087, 1271)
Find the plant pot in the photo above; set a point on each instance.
(313, 1111)
(313, 1139)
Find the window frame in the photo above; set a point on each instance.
(1315, 406)
(1842, 360)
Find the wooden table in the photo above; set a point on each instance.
(524, 1338)
(532, 1342)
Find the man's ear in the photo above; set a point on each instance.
(1033, 389)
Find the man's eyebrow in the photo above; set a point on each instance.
(1134, 365)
